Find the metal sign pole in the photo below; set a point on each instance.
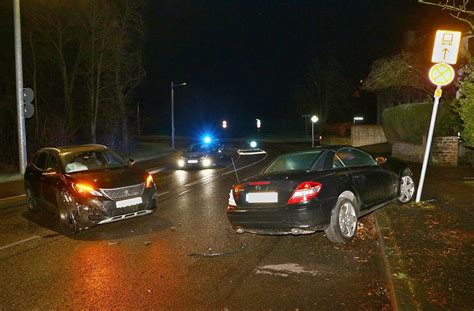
(428, 145)
(19, 88)
(172, 115)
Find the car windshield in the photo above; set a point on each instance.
(91, 160)
(199, 148)
(301, 161)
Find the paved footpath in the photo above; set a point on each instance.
(429, 246)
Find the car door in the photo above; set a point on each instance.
(368, 178)
(49, 183)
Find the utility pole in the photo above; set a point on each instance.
(19, 88)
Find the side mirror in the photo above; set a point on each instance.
(380, 160)
(131, 162)
(50, 172)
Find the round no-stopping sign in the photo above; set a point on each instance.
(441, 74)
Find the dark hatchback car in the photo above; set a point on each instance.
(88, 185)
(326, 188)
(201, 155)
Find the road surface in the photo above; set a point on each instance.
(185, 256)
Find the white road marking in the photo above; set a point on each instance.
(15, 197)
(186, 191)
(163, 193)
(285, 270)
(19, 242)
(241, 168)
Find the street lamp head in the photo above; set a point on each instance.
(314, 119)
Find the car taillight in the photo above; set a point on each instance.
(149, 181)
(84, 189)
(237, 190)
(305, 192)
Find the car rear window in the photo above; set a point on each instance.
(301, 161)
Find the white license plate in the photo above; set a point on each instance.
(262, 197)
(192, 161)
(129, 202)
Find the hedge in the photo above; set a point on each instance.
(410, 122)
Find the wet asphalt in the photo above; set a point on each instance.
(185, 256)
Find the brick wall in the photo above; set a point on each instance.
(444, 151)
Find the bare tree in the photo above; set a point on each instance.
(325, 90)
(459, 9)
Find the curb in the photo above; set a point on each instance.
(402, 285)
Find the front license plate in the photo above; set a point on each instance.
(262, 197)
(192, 161)
(129, 202)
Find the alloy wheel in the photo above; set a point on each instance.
(407, 189)
(347, 219)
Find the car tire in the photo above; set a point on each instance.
(343, 225)
(67, 221)
(406, 188)
(31, 199)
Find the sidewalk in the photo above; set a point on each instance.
(429, 246)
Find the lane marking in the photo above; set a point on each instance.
(241, 168)
(186, 191)
(15, 197)
(163, 193)
(19, 242)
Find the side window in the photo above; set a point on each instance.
(353, 157)
(52, 162)
(40, 161)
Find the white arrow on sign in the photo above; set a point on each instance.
(446, 47)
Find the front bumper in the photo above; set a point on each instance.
(294, 219)
(89, 212)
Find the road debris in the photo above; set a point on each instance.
(114, 243)
(147, 243)
(215, 254)
(285, 270)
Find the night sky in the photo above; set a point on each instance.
(244, 59)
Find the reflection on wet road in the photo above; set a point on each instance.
(160, 261)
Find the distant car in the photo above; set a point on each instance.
(325, 188)
(201, 155)
(88, 185)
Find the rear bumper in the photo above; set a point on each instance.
(294, 219)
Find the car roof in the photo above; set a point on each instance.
(76, 148)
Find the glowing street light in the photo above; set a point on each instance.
(314, 119)
(224, 124)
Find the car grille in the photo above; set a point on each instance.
(124, 192)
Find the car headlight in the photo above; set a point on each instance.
(206, 162)
(181, 162)
(84, 189)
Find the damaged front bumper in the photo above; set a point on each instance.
(89, 212)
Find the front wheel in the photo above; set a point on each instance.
(31, 200)
(67, 221)
(407, 187)
(343, 225)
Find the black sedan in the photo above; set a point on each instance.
(88, 185)
(201, 155)
(326, 188)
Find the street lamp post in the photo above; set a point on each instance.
(172, 111)
(314, 119)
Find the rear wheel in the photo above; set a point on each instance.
(343, 225)
(67, 221)
(407, 187)
(31, 200)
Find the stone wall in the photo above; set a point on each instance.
(363, 135)
(444, 151)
